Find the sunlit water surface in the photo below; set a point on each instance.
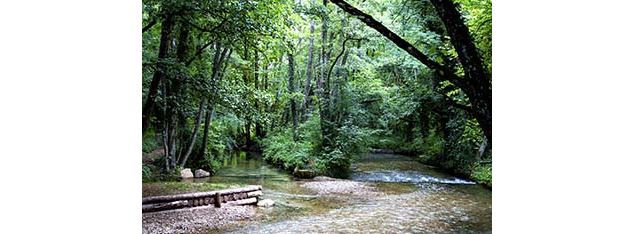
(414, 198)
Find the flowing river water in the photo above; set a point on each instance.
(385, 194)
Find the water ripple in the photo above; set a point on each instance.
(405, 177)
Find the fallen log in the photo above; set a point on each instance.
(239, 196)
(243, 202)
(254, 194)
(163, 206)
(192, 196)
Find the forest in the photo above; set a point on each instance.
(312, 84)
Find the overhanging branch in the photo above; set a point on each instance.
(444, 73)
(147, 27)
(328, 77)
(198, 52)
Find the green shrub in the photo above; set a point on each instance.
(482, 173)
(280, 149)
(149, 142)
(381, 141)
(211, 163)
(146, 173)
(152, 173)
(431, 145)
(334, 163)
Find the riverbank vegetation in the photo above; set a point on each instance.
(312, 84)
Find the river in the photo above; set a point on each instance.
(402, 196)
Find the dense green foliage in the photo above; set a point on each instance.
(308, 84)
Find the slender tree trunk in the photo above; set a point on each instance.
(217, 73)
(171, 146)
(274, 107)
(266, 108)
(208, 118)
(341, 73)
(248, 142)
(247, 127)
(174, 90)
(291, 86)
(326, 124)
(259, 132)
(199, 117)
(309, 70)
(166, 147)
(167, 26)
(327, 84)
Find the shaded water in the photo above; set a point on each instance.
(409, 197)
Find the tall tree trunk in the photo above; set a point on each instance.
(326, 125)
(167, 26)
(220, 55)
(174, 90)
(273, 107)
(341, 72)
(265, 108)
(166, 147)
(477, 84)
(309, 74)
(248, 142)
(259, 132)
(291, 86)
(171, 145)
(199, 117)
(208, 118)
(327, 84)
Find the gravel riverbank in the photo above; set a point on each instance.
(196, 219)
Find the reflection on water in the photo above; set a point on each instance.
(415, 198)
